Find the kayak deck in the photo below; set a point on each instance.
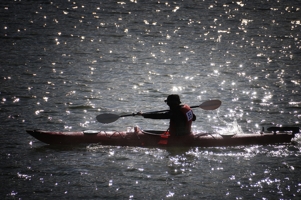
(151, 138)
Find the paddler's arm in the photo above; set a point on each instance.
(165, 115)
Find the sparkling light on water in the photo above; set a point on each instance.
(65, 62)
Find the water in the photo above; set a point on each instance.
(64, 62)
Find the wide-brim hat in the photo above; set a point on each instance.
(173, 98)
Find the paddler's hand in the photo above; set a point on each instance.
(139, 113)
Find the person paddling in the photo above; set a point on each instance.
(181, 116)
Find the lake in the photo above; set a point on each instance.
(64, 62)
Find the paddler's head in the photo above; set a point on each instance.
(173, 100)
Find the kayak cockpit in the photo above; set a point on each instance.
(153, 132)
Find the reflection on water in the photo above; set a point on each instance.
(63, 63)
(207, 168)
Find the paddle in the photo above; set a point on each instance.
(109, 118)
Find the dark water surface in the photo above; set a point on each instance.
(64, 62)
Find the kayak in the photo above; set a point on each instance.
(152, 138)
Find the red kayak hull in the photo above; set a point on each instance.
(141, 139)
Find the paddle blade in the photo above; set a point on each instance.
(107, 118)
(211, 105)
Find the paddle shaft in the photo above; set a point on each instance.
(134, 114)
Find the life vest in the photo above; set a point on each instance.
(180, 123)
